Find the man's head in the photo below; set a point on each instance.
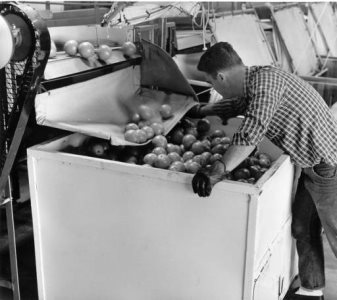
(220, 56)
(223, 67)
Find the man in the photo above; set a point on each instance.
(289, 112)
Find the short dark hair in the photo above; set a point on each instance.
(220, 56)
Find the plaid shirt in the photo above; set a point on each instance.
(289, 112)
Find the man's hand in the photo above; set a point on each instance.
(204, 180)
(197, 111)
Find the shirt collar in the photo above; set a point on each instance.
(246, 81)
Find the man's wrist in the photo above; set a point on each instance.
(224, 165)
(218, 168)
(203, 110)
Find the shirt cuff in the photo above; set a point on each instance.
(229, 108)
(239, 106)
(245, 139)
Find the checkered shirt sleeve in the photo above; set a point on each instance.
(266, 92)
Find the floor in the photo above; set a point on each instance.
(25, 252)
(331, 273)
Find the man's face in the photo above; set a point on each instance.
(220, 84)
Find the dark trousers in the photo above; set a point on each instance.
(314, 207)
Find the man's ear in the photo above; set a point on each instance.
(221, 76)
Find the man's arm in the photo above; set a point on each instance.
(203, 181)
(267, 93)
(224, 108)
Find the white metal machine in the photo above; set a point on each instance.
(110, 230)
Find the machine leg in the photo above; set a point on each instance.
(12, 250)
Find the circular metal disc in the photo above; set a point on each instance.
(23, 49)
(7, 43)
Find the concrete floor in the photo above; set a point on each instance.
(331, 273)
(27, 275)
